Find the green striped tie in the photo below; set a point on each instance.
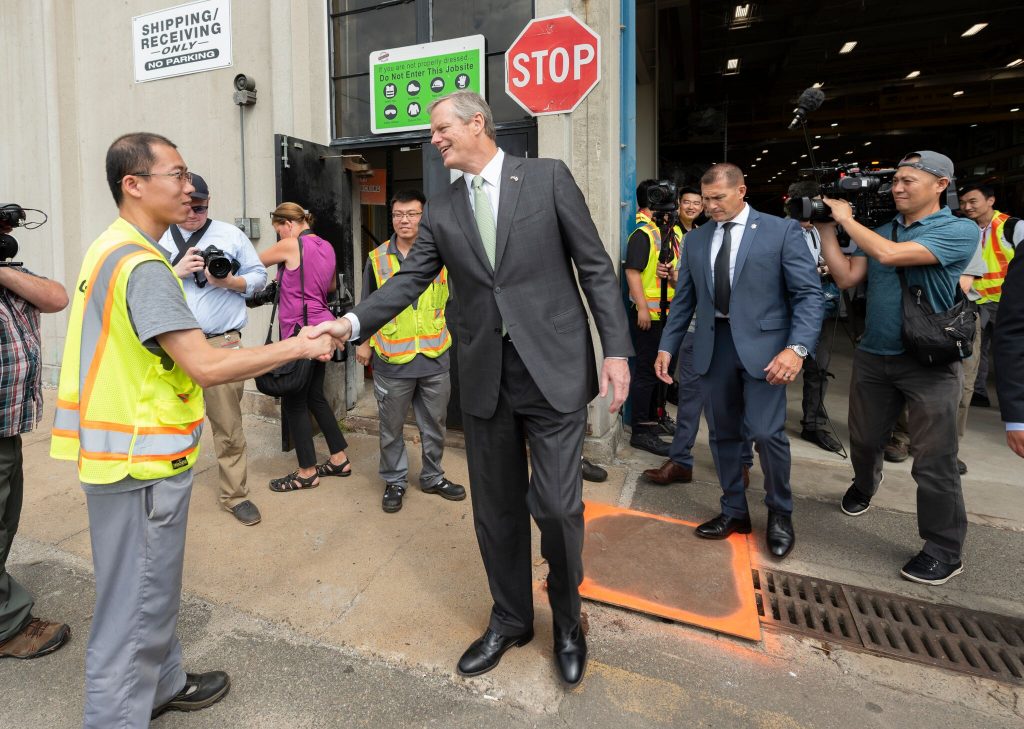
(484, 218)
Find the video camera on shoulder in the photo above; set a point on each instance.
(869, 193)
(13, 215)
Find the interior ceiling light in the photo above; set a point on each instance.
(764, 151)
(913, 74)
(818, 85)
(817, 136)
(803, 156)
(867, 144)
(816, 146)
(1015, 62)
(835, 124)
(974, 30)
(732, 67)
(875, 162)
(973, 125)
(743, 12)
(1016, 108)
(958, 93)
(848, 46)
(849, 151)
(758, 159)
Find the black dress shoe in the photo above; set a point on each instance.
(823, 439)
(447, 490)
(722, 526)
(592, 472)
(392, 501)
(571, 655)
(201, 690)
(486, 651)
(779, 534)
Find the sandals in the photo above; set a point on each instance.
(333, 469)
(294, 482)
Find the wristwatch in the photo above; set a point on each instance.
(801, 350)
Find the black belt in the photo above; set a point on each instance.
(221, 334)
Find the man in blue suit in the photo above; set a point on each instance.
(758, 302)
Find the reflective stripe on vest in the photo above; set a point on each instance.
(649, 277)
(422, 330)
(144, 421)
(996, 257)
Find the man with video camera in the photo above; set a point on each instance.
(219, 269)
(652, 252)
(23, 295)
(926, 246)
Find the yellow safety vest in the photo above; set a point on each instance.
(119, 412)
(996, 257)
(649, 278)
(414, 331)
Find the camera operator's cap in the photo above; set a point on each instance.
(202, 191)
(932, 162)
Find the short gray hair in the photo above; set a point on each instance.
(466, 105)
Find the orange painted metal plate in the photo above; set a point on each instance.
(657, 565)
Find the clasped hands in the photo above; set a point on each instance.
(320, 341)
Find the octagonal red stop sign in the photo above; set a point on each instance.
(553, 64)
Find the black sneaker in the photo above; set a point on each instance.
(854, 502)
(647, 440)
(930, 571)
(980, 401)
(201, 690)
(667, 424)
(393, 493)
(446, 490)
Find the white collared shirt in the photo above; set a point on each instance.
(735, 236)
(492, 182)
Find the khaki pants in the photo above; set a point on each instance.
(224, 410)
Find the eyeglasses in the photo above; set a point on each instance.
(200, 209)
(182, 176)
(406, 216)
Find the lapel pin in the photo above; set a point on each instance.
(754, 226)
(514, 178)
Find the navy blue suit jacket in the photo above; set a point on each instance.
(776, 294)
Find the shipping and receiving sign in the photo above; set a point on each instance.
(403, 81)
(180, 40)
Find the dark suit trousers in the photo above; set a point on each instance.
(505, 494)
(744, 405)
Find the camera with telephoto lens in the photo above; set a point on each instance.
(869, 193)
(662, 197)
(266, 296)
(218, 263)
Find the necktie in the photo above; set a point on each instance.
(484, 218)
(723, 288)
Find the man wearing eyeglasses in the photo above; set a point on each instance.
(219, 306)
(932, 248)
(410, 364)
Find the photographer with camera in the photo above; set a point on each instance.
(652, 252)
(219, 269)
(23, 295)
(924, 250)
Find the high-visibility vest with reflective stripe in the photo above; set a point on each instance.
(414, 331)
(649, 278)
(997, 258)
(119, 412)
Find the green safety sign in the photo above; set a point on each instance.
(403, 81)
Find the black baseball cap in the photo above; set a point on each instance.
(202, 192)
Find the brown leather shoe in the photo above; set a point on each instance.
(668, 473)
(37, 638)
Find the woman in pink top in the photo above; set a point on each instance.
(303, 300)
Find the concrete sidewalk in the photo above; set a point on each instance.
(331, 613)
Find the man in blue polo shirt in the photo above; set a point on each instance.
(932, 247)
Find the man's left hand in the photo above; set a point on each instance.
(784, 367)
(842, 211)
(616, 372)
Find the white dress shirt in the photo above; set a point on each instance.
(735, 236)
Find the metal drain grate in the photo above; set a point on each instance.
(954, 638)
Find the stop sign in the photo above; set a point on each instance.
(553, 64)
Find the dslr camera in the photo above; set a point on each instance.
(217, 262)
(266, 296)
(869, 193)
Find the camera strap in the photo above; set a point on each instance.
(182, 244)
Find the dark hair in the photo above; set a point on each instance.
(131, 153)
(803, 188)
(688, 191)
(732, 174)
(409, 195)
(985, 190)
(641, 192)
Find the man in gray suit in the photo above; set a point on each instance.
(515, 234)
(758, 302)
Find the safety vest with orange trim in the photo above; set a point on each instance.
(997, 257)
(119, 412)
(649, 277)
(419, 330)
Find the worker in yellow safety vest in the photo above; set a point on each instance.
(410, 363)
(999, 233)
(130, 412)
(645, 273)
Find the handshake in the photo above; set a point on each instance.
(320, 341)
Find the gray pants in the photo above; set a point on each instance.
(879, 389)
(15, 602)
(133, 658)
(987, 315)
(429, 398)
